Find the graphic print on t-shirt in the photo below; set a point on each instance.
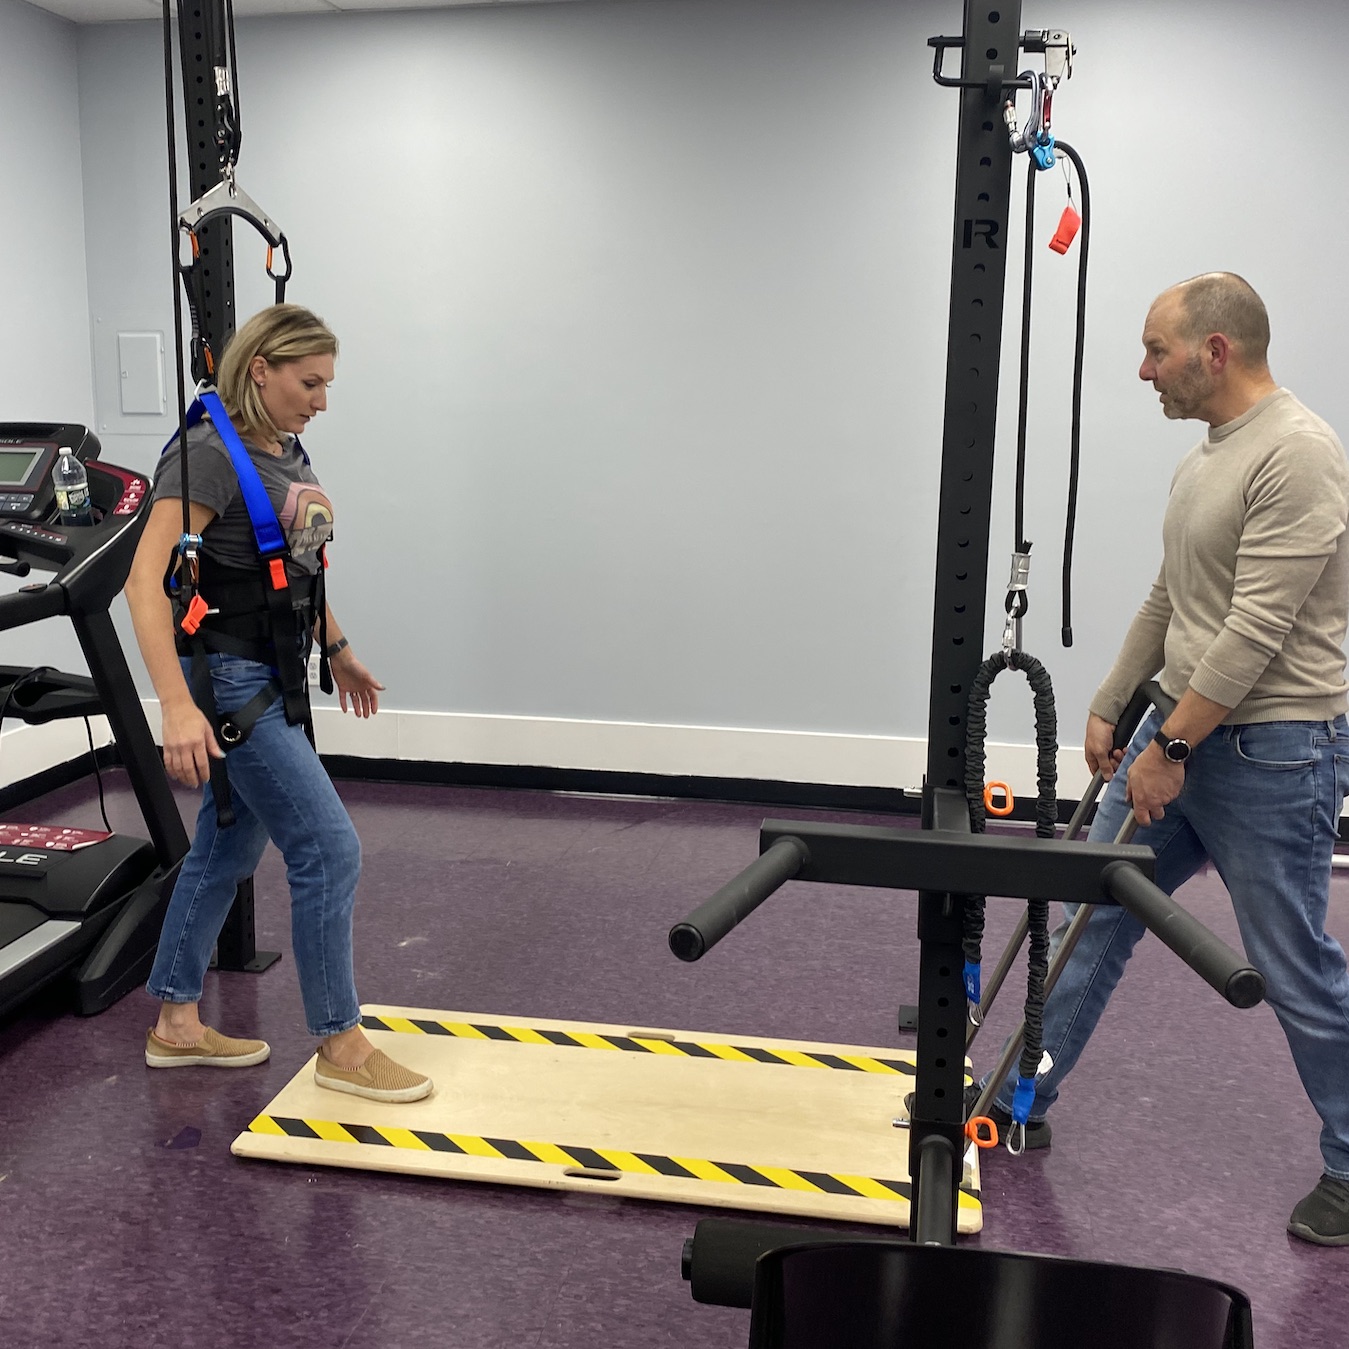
(307, 518)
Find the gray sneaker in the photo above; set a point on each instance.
(1323, 1216)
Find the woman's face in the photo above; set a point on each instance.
(293, 392)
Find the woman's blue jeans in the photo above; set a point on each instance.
(281, 791)
(1262, 802)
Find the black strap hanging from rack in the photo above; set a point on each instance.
(1075, 450)
(1079, 345)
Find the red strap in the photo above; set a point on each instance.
(279, 581)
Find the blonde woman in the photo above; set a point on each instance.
(273, 381)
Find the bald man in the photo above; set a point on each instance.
(1246, 623)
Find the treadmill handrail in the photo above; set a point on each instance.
(33, 603)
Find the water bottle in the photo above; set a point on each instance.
(72, 491)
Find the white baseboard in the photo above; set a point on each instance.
(673, 751)
(606, 746)
(26, 751)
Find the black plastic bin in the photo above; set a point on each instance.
(897, 1295)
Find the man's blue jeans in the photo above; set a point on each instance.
(281, 790)
(1262, 802)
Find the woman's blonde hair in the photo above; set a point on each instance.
(280, 333)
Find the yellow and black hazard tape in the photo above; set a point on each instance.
(598, 1159)
(638, 1044)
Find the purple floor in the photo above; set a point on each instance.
(1182, 1140)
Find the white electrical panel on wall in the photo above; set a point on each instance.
(140, 360)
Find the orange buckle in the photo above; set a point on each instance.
(196, 611)
(982, 1137)
(1008, 801)
(278, 567)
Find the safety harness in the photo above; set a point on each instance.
(262, 615)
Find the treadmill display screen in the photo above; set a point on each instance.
(16, 464)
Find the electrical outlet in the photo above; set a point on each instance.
(314, 668)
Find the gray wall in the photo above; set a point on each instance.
(643, 313)
(44, 304)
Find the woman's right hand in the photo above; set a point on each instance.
(189, 743)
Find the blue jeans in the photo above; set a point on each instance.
(280, 790)
(1262, 802)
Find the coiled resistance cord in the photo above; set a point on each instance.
(1046, 819)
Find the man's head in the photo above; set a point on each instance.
(1206, 344)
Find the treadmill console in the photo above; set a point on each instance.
(30, 530)
(28, 453)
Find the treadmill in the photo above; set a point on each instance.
(77, 903)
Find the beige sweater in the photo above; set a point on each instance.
(1251, 604)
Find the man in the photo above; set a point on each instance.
(1246, 623)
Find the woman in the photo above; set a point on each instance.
(273, 380)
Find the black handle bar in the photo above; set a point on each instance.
(737, 899)
(1211, 958)
(1145, 696)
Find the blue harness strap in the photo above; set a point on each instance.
(266, 527)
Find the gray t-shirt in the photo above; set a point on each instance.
(302, 507)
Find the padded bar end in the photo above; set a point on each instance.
(1245, 988)
(687, 942)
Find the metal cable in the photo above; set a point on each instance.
(173, 231)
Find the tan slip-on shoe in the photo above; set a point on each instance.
(379, 1078)
(213, 1050)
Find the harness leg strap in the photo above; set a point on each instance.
(204, 696)
(235, 727)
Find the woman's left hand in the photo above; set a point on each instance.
(354, 681)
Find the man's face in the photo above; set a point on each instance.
(1173, 366)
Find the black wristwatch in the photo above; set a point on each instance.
(1175, 749)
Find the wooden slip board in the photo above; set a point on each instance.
(723, 1120)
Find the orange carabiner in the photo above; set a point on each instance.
(982, 1137)
(1008, 801)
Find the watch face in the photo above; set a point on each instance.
(1177, 751)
